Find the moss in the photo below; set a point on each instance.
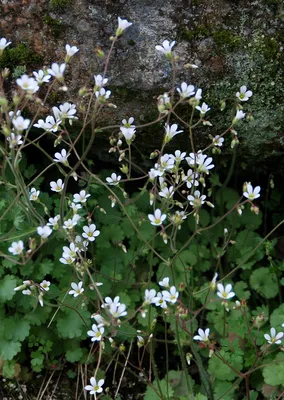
(227, 40)
(271, 48)
(19, 71)
(20, 55)
(122, 93)
(199, 32)
(59, 5)
(55, 25)
(131, 42)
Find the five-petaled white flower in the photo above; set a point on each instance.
(45, 285)
(186, 90)
(20, 123)
(244, 94)
(44, 231)
(96, 333)
(90, 232)
(14, 140)
(122, 25)
(16, 248)
(61, 157)
(171, 131)
(274, 338)
(218, 141)
(160, 301)
(76, 289)
(57, 70)
(197, 200)
(41, 76)
(113, 179)
(54, 222)
(103, 94)
(167, 192)
(71, 222)
(251, 193)
(239, 115)
(213, 282)
(95, 387)
(100, 81)
(34, 194)
(117, 310)
(166, 47)
(81, 197)
(171, 296)
(28, 84)
(203, 336)
(150, 296)
(70, 51)
(57, 186)
(158, 218)
(198, 94)
(65, 111)
(225, 292)
(75, 207)
(4, 44)
(203, 109)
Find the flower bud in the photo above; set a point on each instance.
(222, 105)
(124, 169)
(5, 73)
(16, 100)
(154, 154)
(83, 92)
(99, 52)
(3, 101)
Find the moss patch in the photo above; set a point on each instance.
(20, 55)
(55, 25)
(59, 5)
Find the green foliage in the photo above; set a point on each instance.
(19, 56)
(60, 5)
(264, 282)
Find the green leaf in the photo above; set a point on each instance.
(264, 282)
(74, 355)
(15, 329)
(166, 394)
(7, 286)
(8, 349)
(222, 371)
(277, 318)
(71, 325)
(273, 374)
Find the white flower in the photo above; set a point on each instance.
(160, 301)
(54, 221)
(100, 81)
(95, 387)
(225, 292)
(81, 197)
(102, 94)
(57, 186)
(45, 285)
(128, 133)
(171, 295)
(244, 94)
(191, 179)
(204, 163)
(158, 218)
(213, 282)
(27, 292)
(16, 248)
(71, 222)
(90, 232)
(70, 51)
(252, 193)
(140, 341)
(70, 251)
(239, 115)
(274, 338)
(198, 94)
(197, 200)
(96, 333)
(76, 289)
(75, 207)
(117, 310)
(203, 109)
(61, 157)
(99, 319)
(150, 296)
(167, 192)
(82, 244)
(44, 231)
(203, 336)
(166, 47)
(122, 25)
(218, 141)
(178, 156)
(186, 90)
(166, 162)
(171, 131)
(57, 70)
(41, 76)
(34, 194)
(165, 282)
(20, 123)
(23, 286)
(67, 259)
(4, 44)
(28, 84)
(113, 179)
(14, 140)
(65, 111)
